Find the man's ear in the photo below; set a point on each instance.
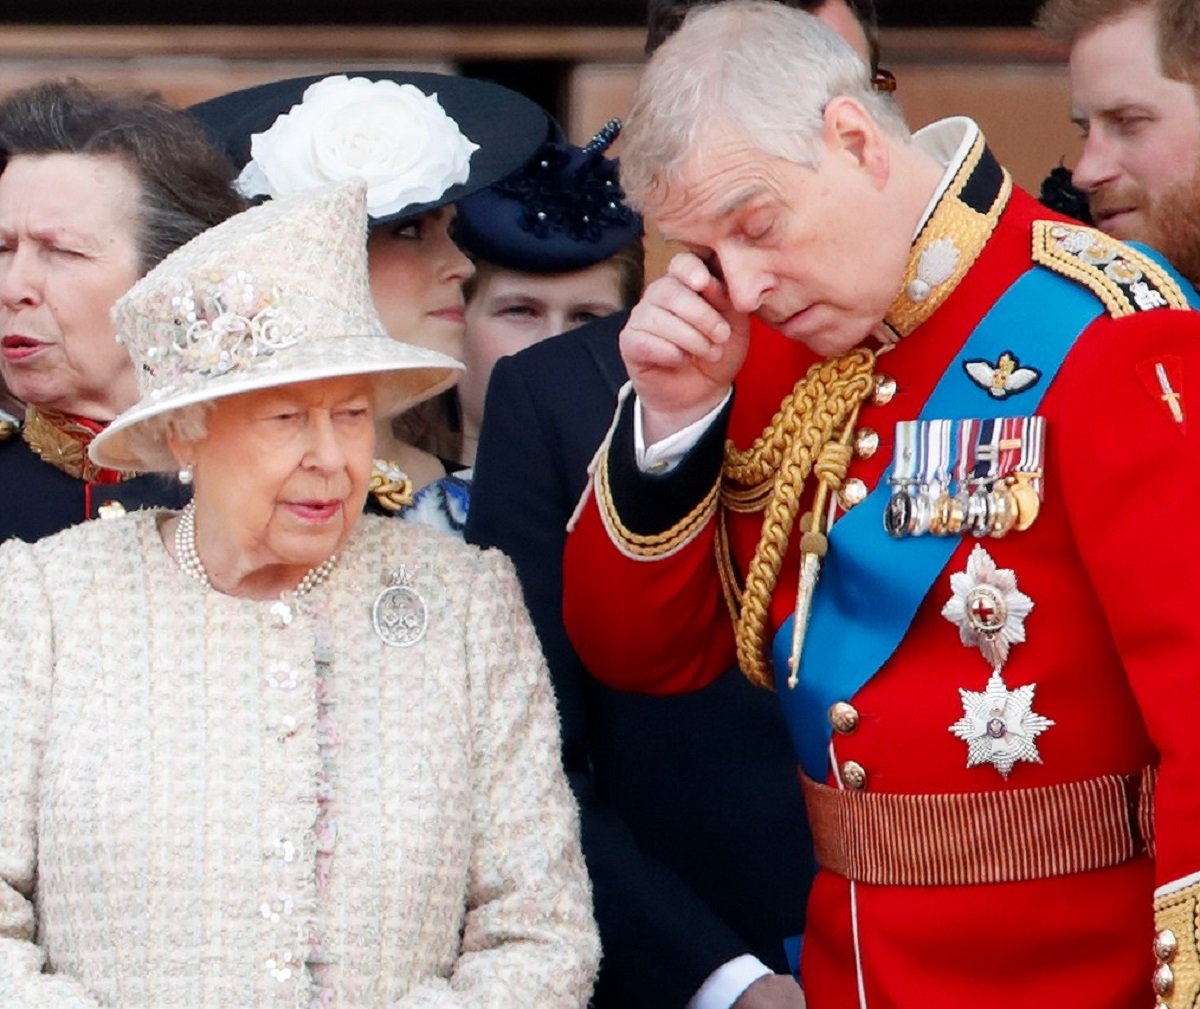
(851, 131)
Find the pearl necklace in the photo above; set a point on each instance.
(189, 558)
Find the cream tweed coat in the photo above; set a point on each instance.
(159, 754)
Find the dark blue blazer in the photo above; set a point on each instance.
(37, 499)
(693, 825)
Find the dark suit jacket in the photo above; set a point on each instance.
(37, 499)
(693, 826)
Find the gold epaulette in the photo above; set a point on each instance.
(1125, 279)
(390, 486)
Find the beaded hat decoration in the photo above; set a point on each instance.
(274, 295)
(419, 140)
(564, 210)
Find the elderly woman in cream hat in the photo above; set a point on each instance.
(270, 751)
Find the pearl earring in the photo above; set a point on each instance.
(185, 475)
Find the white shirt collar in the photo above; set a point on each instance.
(947, 141)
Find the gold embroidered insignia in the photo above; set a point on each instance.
(952, 239)
(1124, 279)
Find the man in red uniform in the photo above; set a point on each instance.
(958, 544)
(1135, 70)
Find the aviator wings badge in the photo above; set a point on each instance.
(1004, 378)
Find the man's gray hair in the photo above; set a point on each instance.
(760, 69)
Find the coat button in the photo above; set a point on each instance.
(866, 442)
(854, 775)
(843, 717)
(885, 390)
(1165, 946)
(853, 492)
(1164, 980)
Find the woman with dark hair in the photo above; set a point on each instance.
(95, 189)
(422, 142)
(554, 247)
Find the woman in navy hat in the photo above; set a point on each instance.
(421, 142)
(554, 246)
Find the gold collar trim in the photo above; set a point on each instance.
(62, 442)
(952, 238)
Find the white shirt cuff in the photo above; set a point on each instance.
(725, 985)
(663, 456)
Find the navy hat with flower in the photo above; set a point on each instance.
(564, 210)
(419, 140)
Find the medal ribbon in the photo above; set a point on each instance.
(987, 453)
(940, 459)
(1012, 442)
(905, 469)
(1033, 445)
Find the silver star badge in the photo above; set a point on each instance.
(999, 725)
(987, 608)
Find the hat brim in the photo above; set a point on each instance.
(507, 126)
(406, 375)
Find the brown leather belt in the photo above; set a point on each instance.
(981, 837)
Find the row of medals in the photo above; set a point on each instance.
(951, 477)
(981, 508)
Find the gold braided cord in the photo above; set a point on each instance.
(641, 546)
(816, 412)
(753, 499)
(730, 585)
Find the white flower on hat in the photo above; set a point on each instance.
(396, 138)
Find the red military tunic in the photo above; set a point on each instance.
(1111, 647)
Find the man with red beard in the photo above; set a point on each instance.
(1135, 65)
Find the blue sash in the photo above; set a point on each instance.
(871, 583)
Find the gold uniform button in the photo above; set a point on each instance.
(885, 390)
(853, 492)
(866, 442)
(854, 775)
(1165, 945)
(843, 717)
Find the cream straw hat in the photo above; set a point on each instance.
(275, 295)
